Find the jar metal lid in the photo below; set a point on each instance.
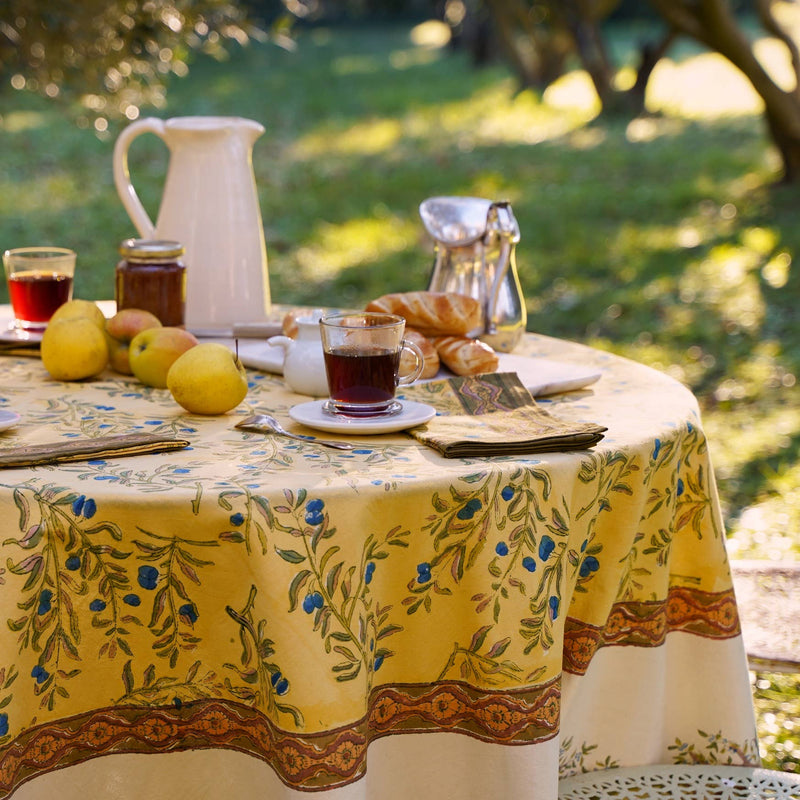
(149, 249)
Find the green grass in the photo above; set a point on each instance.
(665, 240)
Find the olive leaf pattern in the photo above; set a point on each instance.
(262, 681)
(170, 563)
(62, 559)
(335, 594)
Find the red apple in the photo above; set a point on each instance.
(152, 352)
(121, 329)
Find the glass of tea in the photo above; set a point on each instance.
(362, 361)
(39, 281)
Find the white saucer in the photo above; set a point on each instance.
(14, 335)
(312, 415)
(8, 419)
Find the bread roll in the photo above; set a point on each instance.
(465, 356)
(289, 324)
(433, 313)
(430, 356)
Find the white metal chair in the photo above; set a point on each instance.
(681, 782)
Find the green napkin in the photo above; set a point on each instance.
(132, 444)
(494, 414)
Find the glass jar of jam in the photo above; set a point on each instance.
(152, 277)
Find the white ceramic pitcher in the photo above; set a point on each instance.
(210, 205)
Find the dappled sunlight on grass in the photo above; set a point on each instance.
(491, 116)
(42, 193)
(367, 137)
(18, 121)
(333, 248)
(728, 279)
(703, 86)
(573, 91)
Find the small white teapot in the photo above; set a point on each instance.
(304, 361)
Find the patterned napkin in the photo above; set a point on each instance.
(491, 415)
(132, 444)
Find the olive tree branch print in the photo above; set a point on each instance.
(263, 682)
(63, 559)
(170, 563)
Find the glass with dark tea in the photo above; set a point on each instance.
(39, 281)
(362, 362)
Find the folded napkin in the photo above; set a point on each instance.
(494, 414)
(21, 348)
(131, 444)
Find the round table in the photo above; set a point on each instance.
(259, 617)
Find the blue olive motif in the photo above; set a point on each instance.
(132, 600)
(97, 605)
(369, 571)
(237, 519)
(378, 663)
(507, 493)
(501, 548)
(423, 572)
(40, 673)
(553, 602)
(656, 449)
(680, 487)
(529, 563)
(188, 613)
(148, 577)
(546, 547)
(73, 563)
(44, 602)
(3, 724)
(589, 565)
(312, 601)
(84, 506)
(314, 515)
(469, 509)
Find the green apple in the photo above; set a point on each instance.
(74, 348)
(208, 379)
(121, 329)
(152, 352)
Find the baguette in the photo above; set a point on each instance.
(433, 313)
(430, 362)
(465, 356)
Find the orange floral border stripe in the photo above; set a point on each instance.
(712, 615)
(303, 761)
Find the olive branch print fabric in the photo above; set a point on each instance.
(295, 603)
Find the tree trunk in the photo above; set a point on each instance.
(713, 23)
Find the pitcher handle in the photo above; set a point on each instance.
(122, 176)
(508, 230)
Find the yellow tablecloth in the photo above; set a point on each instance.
(279, 614)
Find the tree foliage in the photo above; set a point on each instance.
(113, 56)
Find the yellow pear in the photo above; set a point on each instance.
(208, 379)
(75, 309)
(73, 349)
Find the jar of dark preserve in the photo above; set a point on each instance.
(152, 277)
